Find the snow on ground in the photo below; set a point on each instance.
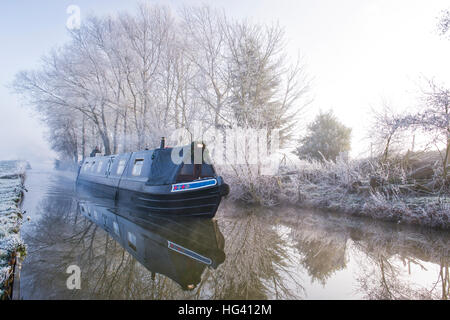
(11, 192)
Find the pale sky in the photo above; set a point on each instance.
(357, 52)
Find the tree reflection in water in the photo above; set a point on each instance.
(386, 273)
(257, 261)
(279, 254)
(387, 256)
(255, 267)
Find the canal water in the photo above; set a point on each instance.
(244, 253)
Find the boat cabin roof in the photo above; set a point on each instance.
(156, 167)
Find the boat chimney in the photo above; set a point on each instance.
(163, 143)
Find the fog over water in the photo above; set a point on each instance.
(356, 51)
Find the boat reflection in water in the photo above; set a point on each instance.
(180, 249)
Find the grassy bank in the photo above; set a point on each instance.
(389, 191)
(12, 175)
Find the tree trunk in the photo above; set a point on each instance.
(446, 159)
(106, 143)
(125, 147)
(116, 124)
(386, 149)
(83, 138)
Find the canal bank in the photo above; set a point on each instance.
(12, 248)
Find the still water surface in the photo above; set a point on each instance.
(244, 253)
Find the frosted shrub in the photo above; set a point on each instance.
(359, 187)
(249, 186)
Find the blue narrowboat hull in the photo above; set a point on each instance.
(203, 202)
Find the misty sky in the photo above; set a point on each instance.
(356, 51)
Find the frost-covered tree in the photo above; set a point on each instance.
(203, 37)
(126, 80)
(440, 99)
(444, 23)
(265, 91)
(326, 138)
(386, 131)
(434, 119)
(111, 77)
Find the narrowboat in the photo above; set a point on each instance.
(178, 248)
(153, 181)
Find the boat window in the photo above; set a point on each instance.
(187, 169)
(207, 171)
(86, 166)
(108, 167)
(190, 172)
(137, 168)
(92, 166)
(116, 228)
(132, 241)
(121, 166)
(186, 173)
(99, 166)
